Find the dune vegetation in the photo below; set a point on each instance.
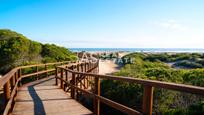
(156, 67)
(17, 50)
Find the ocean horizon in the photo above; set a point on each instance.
(182, 50)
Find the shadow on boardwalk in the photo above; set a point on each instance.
(42, 97)
(38, 105)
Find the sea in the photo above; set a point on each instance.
(152, 50)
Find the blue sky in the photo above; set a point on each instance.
(108, 23)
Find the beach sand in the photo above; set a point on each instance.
(107, 67)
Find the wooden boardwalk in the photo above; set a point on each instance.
(42, 97)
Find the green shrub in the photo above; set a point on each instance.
(17, 50)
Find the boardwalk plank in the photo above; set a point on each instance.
(38, 99)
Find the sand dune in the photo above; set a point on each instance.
(107, 67)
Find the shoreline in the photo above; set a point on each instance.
(139, 50)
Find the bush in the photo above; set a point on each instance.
(166, 102)
(16, 50)
(53, 53)
(188, 64)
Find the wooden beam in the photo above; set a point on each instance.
(7, 91)
(45, 70)
(61, 75)
(66, 73)
(16, 76)
(147, 100)
(19, 76)
(97, 92)
(56, 75)
(37, 72)
(13, 82)
(40, 72)
(73, 83)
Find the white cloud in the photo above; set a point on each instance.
(171, 24)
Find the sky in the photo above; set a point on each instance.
(107, 23)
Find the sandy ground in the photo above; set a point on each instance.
(108, 67)
(121, 54)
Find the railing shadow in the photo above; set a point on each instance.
(38, 105)
(38, 102)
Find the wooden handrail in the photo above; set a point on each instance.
(7, 77)
(160, 84)
(36, 73)
(11, 80)
(88, 72)
(91, 68)
(13, 94)
(147, 84)
(28, 66)
(104, 100)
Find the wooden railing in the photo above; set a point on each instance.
(12, 80)
(148, 86)
(79, 77)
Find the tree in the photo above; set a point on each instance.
(16, 50)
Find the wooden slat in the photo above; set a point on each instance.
(97, 92)
(61, 75)
(147, 100)
(39, 98)
(73, 90)
(56, 73)
(7, 91)
(36, 73)
(7, 77)
(28, 66)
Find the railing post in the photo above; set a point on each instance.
(46, 70)
(87, 69)
(81, 66)
(73, 83)
(88, 66)
(16, 76)
(13, 82)
(56, 75)
(97, 66)
(97, 92)
(19, 76)
(82, 70)
(66, 73)
(79, 80)
(61, 75)
(37, 72)
(7, 91)
(147, 100)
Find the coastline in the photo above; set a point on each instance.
(139, 50)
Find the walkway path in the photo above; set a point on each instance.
(42, 97)
(108, 67)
